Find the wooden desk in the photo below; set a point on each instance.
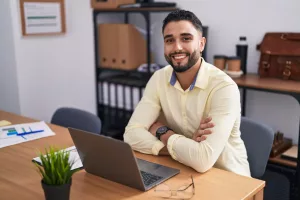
(253, 81)
(284, 162)
(20, 180)
(292, 88)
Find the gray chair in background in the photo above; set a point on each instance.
(76, 118)
(258, 139)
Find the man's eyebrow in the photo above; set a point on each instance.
(182, 34)
(168, 36)
(186, 34)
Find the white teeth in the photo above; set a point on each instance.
(179, 57)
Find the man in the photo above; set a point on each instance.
(186, 91)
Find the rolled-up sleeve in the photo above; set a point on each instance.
(224, 108)
(172, 139)
(147, 111)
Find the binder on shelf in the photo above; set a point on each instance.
(121, 46)
(119, 96)
(107, 45)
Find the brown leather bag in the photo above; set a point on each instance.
(280, 56)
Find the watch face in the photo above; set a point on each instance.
(162, 129)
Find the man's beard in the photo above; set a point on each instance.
(193, 59)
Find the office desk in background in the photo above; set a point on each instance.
(20, 180)
(274, 85)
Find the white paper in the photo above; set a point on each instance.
(74, 157)
(9, 137)
(42, 17)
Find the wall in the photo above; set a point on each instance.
(9, 98)
(55, 71)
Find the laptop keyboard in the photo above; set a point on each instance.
(149, 178)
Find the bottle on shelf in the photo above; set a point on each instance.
(242, 52)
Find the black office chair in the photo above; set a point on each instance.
(76, 118)
(258, 139)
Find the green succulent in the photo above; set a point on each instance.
(55, 167)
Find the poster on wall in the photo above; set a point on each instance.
(42, 17)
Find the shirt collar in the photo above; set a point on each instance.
(173, 78)
(199, 81)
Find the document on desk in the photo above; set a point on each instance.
(15, 134)
(4, 123)
(74, 157)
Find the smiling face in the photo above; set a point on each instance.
(183, 45)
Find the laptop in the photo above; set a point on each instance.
(114, 160)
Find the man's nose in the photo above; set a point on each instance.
(178, 46)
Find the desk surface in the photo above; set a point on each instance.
(20, 180)
(285, 162)
(254, 81)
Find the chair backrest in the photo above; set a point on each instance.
(258, 139)
(76, 118)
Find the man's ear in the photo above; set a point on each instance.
(202, 44)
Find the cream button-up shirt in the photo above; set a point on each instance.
(212, 93)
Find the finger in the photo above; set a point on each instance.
(206, 132)
(202, 132)
(203, 120)
(200, 139)
(207, 125)
(207, 119)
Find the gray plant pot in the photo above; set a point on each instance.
(57, 192)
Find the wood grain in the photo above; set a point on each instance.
(19, 179)
(259, 195)
(254, 81)
(285, 162)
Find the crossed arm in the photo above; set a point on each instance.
(199, 155)
(198, 136)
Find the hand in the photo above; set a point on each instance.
(154, 127)
(203, 130)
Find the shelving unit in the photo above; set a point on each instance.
(114, 116)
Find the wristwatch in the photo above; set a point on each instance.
(162, 130)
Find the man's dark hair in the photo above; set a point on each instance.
(179, 15)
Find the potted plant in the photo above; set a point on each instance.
(56, 172)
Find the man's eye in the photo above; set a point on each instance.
(169, 40)
(186, 39)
